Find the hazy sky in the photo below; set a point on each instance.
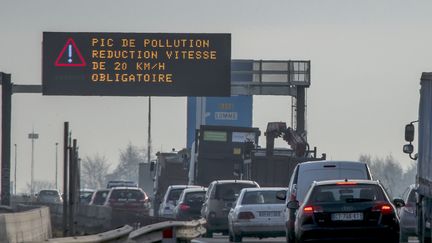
(366, 57)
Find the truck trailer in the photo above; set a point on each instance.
(423, 157)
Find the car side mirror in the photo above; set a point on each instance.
(409, 132)
(398, 202)
(408, 148)
(152, 166)
(293, 204)
(281, 195)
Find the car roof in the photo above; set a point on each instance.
(104, 190)
(334, 182)
(265, 189)
(125, 187)
(233, 181)
(182, 186)
(87, 190)
(321, 162)
(49, 190)
(195, 189)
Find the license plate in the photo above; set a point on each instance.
(269, 213)
(347, 216)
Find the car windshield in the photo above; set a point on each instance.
(195, 196)
(310, 175)
(100, 197)
(230, 191)
(411, 197)
(346, 193)
(48, 193)
(174, 194)
(125, 194)
(261, 197)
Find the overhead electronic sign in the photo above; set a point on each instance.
(136, 64)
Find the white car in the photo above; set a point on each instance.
(257, 213)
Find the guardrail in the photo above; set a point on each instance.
(162, 230)
(165, 232)
(169, 231)
(117, 235)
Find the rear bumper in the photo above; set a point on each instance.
(259, 229)
(348, 234)
(217, 224)
(187, 216)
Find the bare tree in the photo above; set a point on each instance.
(39, 185)
(94, 171)
(128, 167)
(390, 173)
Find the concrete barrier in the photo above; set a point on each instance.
(32, 225)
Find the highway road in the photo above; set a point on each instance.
(224, 239)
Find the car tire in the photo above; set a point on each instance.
(230, 236)
(237, 238)
(290, 237)
(403, 237)
(208, 234)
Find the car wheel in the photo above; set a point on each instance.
(208, 234)
(230, 236)
(290, 237)
(237, 238)
(403, 237)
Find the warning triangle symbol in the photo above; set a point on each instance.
(70, 56)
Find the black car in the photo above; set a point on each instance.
(347, 211)
(190, 203)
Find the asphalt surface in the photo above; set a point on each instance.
(224, 239)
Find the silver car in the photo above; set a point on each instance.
(407, 214)
(257, 213)
(172, 195)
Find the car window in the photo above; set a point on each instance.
(306, 177)
(261, 197)
(100, 197)
(124, 194)
(195, 196)
(411, 197)
(346, 193)
(174, 194)
(230, 191)
(48, 193)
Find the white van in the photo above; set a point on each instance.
(306, 173)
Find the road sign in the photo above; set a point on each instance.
(68, 59)
(136, 64)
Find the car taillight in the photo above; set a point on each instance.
(312, 209)
(383, 208)
(184, 207)
(246, 215)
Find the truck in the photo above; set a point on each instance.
(229, 152)
(169, 168)
(423, 157)
(217, 153)
(272, 167)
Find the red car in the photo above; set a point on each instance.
(131, 199)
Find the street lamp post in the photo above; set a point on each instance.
(56, 164)
(32, 136)
(15, 180)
